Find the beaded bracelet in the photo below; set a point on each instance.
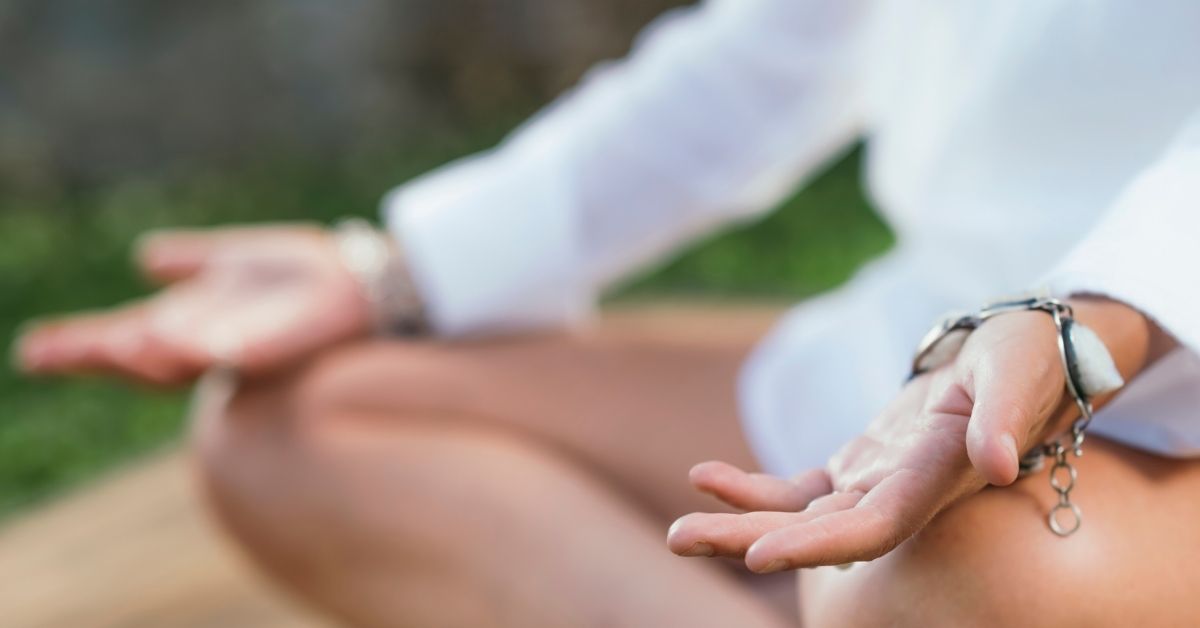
(374, 259)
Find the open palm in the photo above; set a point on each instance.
(945, 436)
(253, 298)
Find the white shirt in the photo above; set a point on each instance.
(1011, 145)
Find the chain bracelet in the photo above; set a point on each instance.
(1063, 474)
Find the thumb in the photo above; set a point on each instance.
(1014, 395)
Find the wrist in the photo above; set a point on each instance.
(1134, 341)
(1033, 387)
(380, 268)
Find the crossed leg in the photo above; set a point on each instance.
(520, 483)
(530, 483)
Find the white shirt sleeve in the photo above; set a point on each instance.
(1146, 250)
(719, 111)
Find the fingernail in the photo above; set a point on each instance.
(700, 549)
(776, 565)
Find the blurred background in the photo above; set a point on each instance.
(118, 116)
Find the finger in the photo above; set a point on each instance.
(120, 345)
(29, 347)
(837, 538)
(62, 346)
(726, 534)
(885, 517)
(759, 491)
(118, 342)
(172, 255)
(1012, 396)
(723, 534)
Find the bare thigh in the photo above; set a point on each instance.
(517, 483)
(638, 398)
(991, 561)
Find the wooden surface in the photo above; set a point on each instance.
(132, 550)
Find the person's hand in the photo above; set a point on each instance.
(946, 435)
(253, 298)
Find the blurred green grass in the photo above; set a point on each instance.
(68, 250)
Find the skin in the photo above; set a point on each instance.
(989, 559)
(948, 434)
(255, 298)
(518, 433)
(526, 515)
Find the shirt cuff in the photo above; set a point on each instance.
(490, 242)
(1145, 252)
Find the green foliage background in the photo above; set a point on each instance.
(64, 250)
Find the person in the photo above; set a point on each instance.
(518, 465)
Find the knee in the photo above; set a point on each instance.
(277, 459)
(252, 437)
(988, 561)
(299, 407)
(246, 444)
(262, 447)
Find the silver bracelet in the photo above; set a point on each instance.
(1089, 370)
(374, 258)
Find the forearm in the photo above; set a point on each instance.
(703, 124)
